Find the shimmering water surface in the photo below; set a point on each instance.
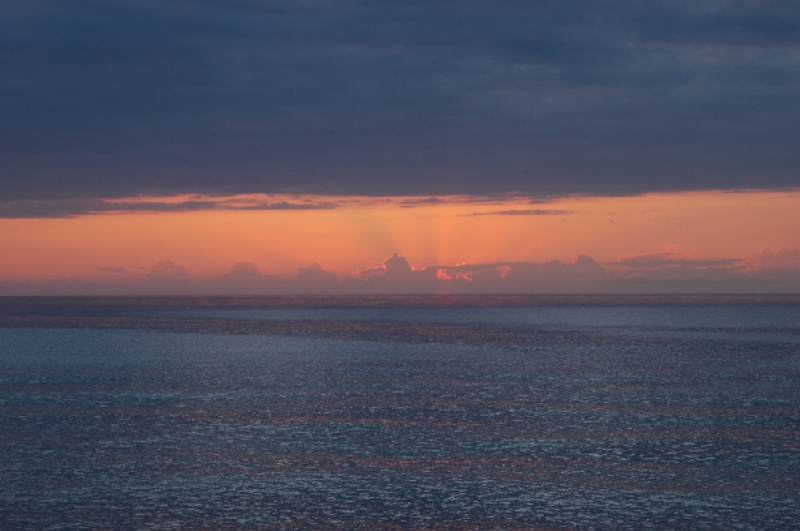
(399, 414)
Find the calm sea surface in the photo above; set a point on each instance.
(399, 413)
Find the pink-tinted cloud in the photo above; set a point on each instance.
(393, 266)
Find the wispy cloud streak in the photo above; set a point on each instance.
(524, 212)
(68, 208)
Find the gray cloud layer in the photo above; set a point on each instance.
(111, 98)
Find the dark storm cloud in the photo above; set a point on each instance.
(103, 99)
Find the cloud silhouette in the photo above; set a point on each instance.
(393, 266)
(314, 279)
(777, 272)
(244, 278)
(397, 276)
(784, 259)
(244, 271)
(166, 270)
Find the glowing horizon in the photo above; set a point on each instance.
(122, 239)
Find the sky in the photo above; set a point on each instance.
(297, 146)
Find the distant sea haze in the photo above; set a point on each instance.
(418, 412)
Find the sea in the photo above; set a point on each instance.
(425, 412)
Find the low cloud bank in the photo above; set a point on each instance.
(768, 272)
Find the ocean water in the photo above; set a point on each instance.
(404, 413)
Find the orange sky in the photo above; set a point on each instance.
(361, 232)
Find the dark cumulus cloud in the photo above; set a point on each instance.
(113, 98)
